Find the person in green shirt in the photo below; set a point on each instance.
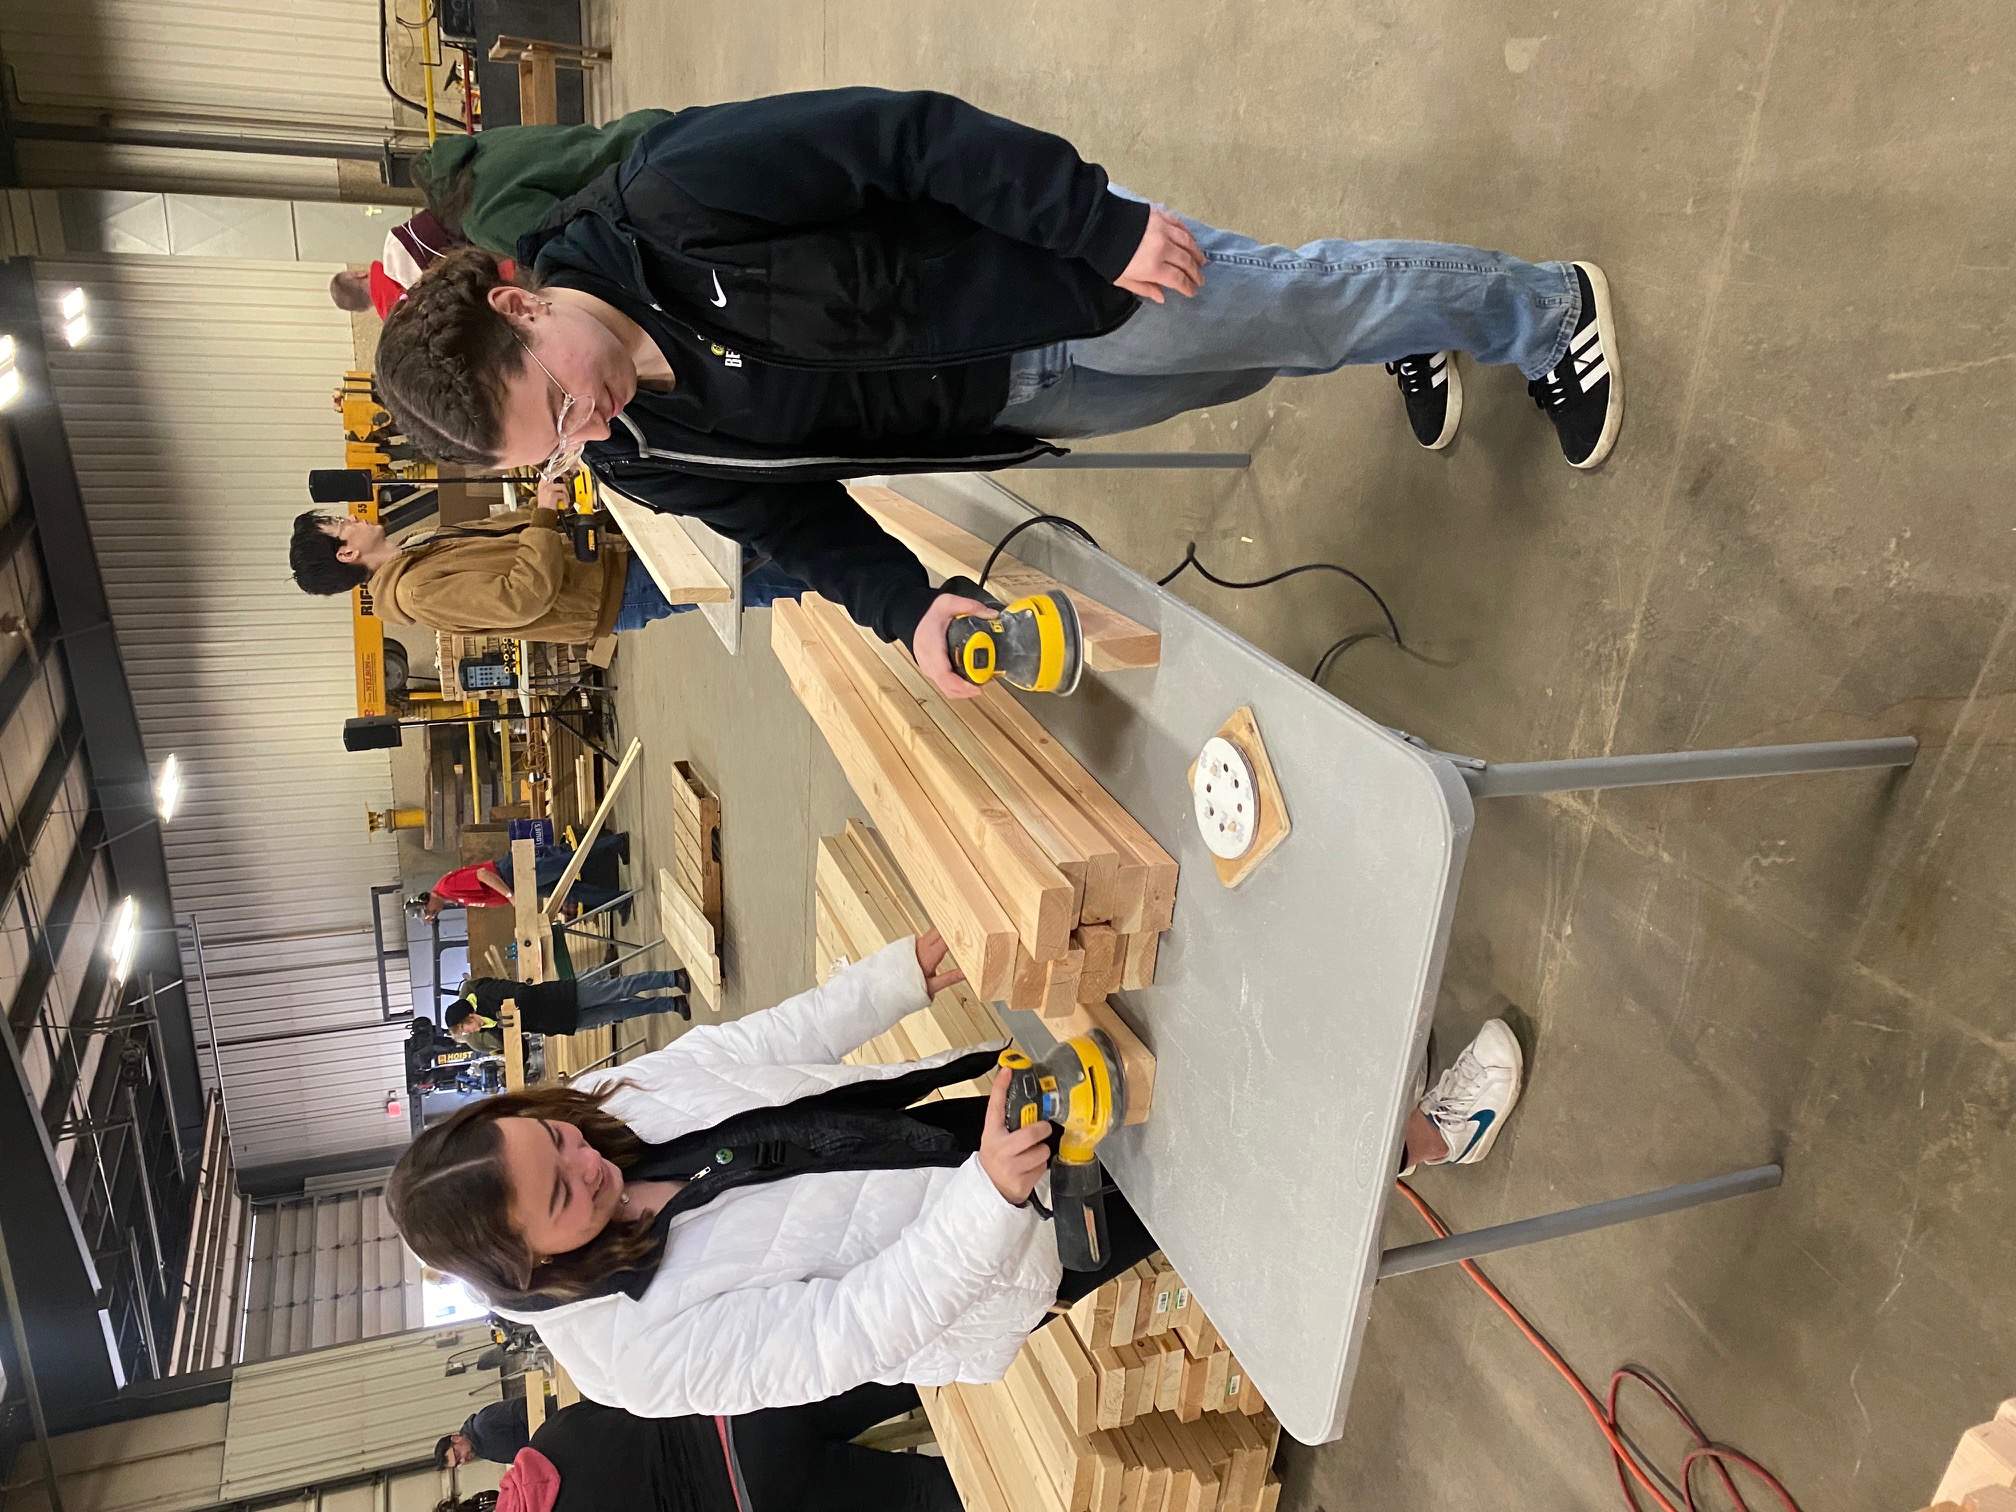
(564, 1007)
(493, 187)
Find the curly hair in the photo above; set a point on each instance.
(445, 357)
(451, 1202)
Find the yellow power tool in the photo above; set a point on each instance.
(1034, 644)
(1081, 1092)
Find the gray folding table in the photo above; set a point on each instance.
(1290, 1015)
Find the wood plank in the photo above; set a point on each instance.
(535, 1400)
(691, 937)
(1201, 1459)
(676, 565)
(552, 906)
(1185, 1495)
(1064, 1453)
(1056, 1351)
(1060, 984)
(1169, 1371)
(979, 931)
(1158, 1472)
(1075, 846)
(973, 1473)
(1146, 882)
(1126, 1303)
(1100, 977)
(1009, 1449)
(878, 865)
(1138, 967)
(1037, 896)
(514, 1046)
(1107, 1471)
(1113, 642)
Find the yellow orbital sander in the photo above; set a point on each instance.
(1081, 1092)
(1034, 643)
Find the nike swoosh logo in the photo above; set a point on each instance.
(720, 299)
(1483, 1120)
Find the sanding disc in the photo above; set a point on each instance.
(1226, 798)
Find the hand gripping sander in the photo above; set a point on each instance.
(1034, 643)
(1081, 1092)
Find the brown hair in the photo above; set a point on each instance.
(445, 356)
(450, 1200)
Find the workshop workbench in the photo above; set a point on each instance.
(1290, 1015)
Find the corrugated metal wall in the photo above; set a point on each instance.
(328, 1269)
(300, 63)
(195, 411)
(348, 1410)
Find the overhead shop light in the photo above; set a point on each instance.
(168, 788)
(76, 323)
(10, 375)
(125, 941)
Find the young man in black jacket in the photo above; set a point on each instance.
(768, 297)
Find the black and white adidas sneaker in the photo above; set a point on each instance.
(1434, 395)
(1584, 394)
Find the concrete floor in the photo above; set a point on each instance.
(1805, 533)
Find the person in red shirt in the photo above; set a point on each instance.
(487, 884)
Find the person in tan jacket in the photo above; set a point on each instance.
(512, 574)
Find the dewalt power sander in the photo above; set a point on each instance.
(1081, 1092)
(1034, 643)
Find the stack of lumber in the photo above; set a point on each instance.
(1982, 1474)
(696, 841)
(1048, 892)
(1130, 1403)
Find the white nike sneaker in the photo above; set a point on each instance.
(1470, 1102)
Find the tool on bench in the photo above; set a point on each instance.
(1034, 643)
(1082, 1093)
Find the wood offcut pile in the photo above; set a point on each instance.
(1048, 892)
(1131, 1402)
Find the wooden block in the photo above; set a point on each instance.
(1074, 1382)
(1035, 893)
(1156, 905)
(1145, 1306)
(1185, 1493)
(1270, 1496)
(1010, 1450)
(1126, 1303)
(1060, 1448)
(1991, 1499)
(1133, 1474)
(1073, 843)
(682, 574)
(1099, 978)
(1190, 1399)
(1108, 1471)
(1116, 1387)
(1113, 643)
(1153, 1488)
(1138, 965)
(979, 931)
(2006, 1413)
(1164, 1308)
(973, 1473)
(1169, 1361)
(1144, 1371)
(1218, 1369)
(514, 1046)
(1060, 983)
(1199, 1336)
(535, 1400)
(1203, 1459)
(1985, 1456)
(1092, 1316)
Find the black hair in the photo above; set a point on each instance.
(312, 556)
(441, 1448)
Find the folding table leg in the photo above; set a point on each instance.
(1084, 460)
(1504, 1236)
(1514, 779)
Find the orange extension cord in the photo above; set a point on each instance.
(1629, 1463)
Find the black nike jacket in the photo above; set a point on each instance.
(845, 229)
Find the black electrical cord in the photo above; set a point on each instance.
(1190, 561)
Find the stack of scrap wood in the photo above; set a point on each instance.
(696, 836)
(1048, 892)
(1131, 1403)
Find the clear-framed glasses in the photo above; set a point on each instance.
(566, 454)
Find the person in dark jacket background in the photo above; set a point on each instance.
(770, 296)
(563, 1007)
(496, 1432)
(591, 1458)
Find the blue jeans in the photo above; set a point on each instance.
(643, 603)
(603, 1003)
(1270, 312)
(598, 881)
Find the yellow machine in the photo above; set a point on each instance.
(1082, 1093)
(1034, 644)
